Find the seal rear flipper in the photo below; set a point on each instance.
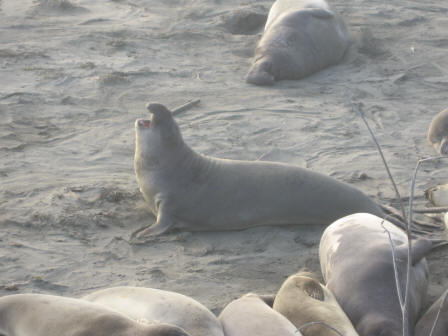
(320, 13)
(420, 248)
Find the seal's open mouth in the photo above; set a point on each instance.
(144, 123)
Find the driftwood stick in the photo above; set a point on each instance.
(188, 105)
(356, 109)
(431, 210)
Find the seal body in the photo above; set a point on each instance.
(48, 315)
(250, 315)
(187, 190)
(438, 132)
(356, 261)
(300, 38)
(162, 306)
(426, 322)
(302, 299)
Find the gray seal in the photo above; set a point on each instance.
(188, 190)
(48, 315)
(301, 37)
(438, 132)
(250, 315)
(302, 299)
(149, 304)
(426, 322)
(356, 261)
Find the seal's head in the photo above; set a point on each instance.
(260, 73)
(155, 138)
(302, 299)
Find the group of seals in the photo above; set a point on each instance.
(116, 311)
(300, 38)
(159, 306)
(48, 315)
(356, 261)
(188, 190)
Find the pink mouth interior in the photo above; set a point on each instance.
(145, 123)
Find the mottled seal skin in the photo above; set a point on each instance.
(300, 38)
(438, 132)
(356, 261)
(162, 306)
(48, 315)
(187, 190)
(426, 322)
(302, 299)
(250, 315)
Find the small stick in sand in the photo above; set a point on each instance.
(309, 324)
(356, 109)
(185, 107)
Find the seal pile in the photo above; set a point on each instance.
(189, 191)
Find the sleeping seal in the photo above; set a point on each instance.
(356, 261)
(250, 315)
(302, 299)
(188, 190)
(162, 306)
(48, 315)
(438, 132)
(300, 38)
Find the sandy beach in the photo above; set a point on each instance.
(74, 76)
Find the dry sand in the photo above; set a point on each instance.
(75, 75)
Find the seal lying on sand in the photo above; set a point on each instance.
(48, 315)
(302, 299)
(438, 132)
(356, 261)
(300, 38)
(426, 322)
(250, 315)
(187, 190)
(161, 306)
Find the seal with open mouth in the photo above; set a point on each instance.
(188, 190)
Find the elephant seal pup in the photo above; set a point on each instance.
(426, 322)
(302, 299)
(438, 132)
(356, 261)
(187, 190)
(161, 306)
(48, 315)
(250, 315)
(301, 37)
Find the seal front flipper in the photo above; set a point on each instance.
(420, 248)
(163, 224)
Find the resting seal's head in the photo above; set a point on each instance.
(157, 138)
(260, 73)
(302, 299)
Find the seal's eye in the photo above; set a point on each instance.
(144, 123)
